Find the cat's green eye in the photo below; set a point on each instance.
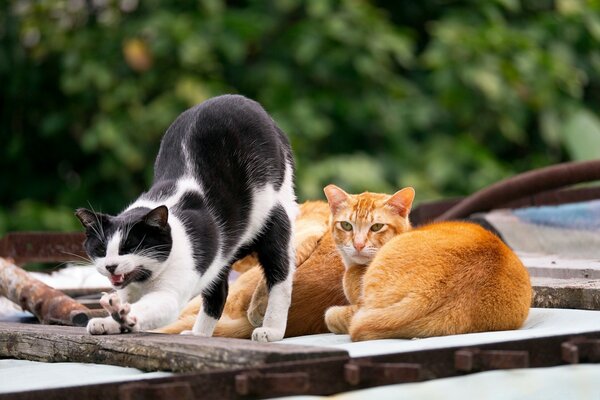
(347, 226)
(376, 227)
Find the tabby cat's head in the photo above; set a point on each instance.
(362, 223)
(129, 247)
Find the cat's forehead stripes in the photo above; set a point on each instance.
(365, 206)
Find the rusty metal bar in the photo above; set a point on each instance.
(429, 211)
(159, 391)
(525, 184)
(255, 383)
(470, 360)
(49, 305)
(581, 349)
(376, 374)
(25, 247)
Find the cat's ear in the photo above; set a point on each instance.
(88, 218)
(402, 200)
(336, 197)
(158, 217)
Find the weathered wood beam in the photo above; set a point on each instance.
(146, 351)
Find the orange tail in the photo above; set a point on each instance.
(183, 324)
(239, 328)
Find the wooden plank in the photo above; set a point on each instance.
(147, 351)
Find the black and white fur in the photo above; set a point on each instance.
(223, 188)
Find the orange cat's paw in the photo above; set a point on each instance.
(258, 304)
(256, 312)
(336, 319)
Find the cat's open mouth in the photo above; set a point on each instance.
(139, 274)
(123, 279)
(118, 280)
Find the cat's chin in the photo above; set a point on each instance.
(358, 260)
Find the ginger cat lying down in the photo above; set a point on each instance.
(317, 284)
(440, 279)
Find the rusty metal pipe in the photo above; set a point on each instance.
(525, 184)
(49, 305)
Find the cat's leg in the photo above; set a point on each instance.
(153, 310)
(213, 302)
(258, 304)
(338, 318)
(277, 257)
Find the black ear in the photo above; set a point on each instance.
(158, 217)
(87, 217)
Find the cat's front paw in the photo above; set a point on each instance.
(119, 312)
(336, 319)
(264, 334)
(103, 326)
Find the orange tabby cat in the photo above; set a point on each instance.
(440, 279)
(317, 285)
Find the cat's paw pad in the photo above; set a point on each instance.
(119, 312)
(255, 316)
(103, 326)
(264, 334)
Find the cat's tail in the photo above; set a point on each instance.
(404, 319)
(239, 328)
(182, 324)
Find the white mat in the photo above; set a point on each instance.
(21, 375)
(542, 322)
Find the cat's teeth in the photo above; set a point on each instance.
(116, 279)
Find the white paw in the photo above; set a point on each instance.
(103, 326)
(264, 334)
(119, 312)
(187, 333)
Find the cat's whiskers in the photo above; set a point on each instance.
(139, 244)
(100, 234)
(86, 259)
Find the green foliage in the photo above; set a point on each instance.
(445, 96)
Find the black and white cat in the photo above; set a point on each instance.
(223, 187)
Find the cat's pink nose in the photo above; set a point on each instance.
(359, 246)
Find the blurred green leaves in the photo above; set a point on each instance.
(445, 96)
